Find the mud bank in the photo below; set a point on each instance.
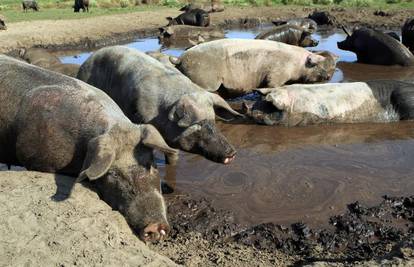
(101, 31)
(40, 225)
(382, 235)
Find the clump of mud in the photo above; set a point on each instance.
(205, 236)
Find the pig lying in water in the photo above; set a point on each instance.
(289, 34)
(150, 92)
(300, 104)
(238, 66)
(54, 123)
(42, 58)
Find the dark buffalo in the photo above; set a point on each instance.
(54, 123)
(2, 24)
(30, 4)
(194, 17)
(289, 34)
(376, 47)
(81, 4)
(323, 18)
(407, 34)
(304, 104)
(306, 23)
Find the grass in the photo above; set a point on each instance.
(62, 9)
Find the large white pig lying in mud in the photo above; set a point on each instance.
(149, 92)
(303, 104)
(238, 66)
(53, 123)
(42, 58)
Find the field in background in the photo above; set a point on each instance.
(62, 9)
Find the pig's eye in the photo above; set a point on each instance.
(114, 174)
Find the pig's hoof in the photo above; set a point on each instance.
(154, 232)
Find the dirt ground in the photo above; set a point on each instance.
(106, 30)
(40, 225)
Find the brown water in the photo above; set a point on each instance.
(285, 175)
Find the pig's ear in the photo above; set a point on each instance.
(185, 112)
(222, 109)
(150, 137)
(312, 60)
(99, 158)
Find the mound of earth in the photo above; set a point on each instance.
(42, 224)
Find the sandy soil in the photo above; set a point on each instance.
(106, 30)
(39, 228)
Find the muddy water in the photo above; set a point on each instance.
(305, 174)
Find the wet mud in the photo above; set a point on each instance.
(381, 232)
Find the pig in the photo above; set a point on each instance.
(214, 6)
(185, 36)
(323, 18)
(377, 48)
(30, 4)
(149, 92)
(407, 34)
(306, 23)
(289, 34)
(81, 4)
(239, 65)
(42, 58)
(194, 17)
(304, 104)
(2, 24)
(55, 123)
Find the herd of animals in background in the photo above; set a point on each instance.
(121, 104)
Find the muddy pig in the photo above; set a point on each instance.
(238, 66)
(54, 123)
(289, 34)
(149, 92)
(304, 104)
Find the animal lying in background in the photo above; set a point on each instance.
(300, 104)
(81, 4)
(54, 123)
(407, 34)
(323, 18)
(306, 23)
(376, 47)
(30, 4)
(194, 17)
(42, 58)
(289, 34)
(2, 24)
(214, 6)
(187, 36)
(238, 65)
(149, 92)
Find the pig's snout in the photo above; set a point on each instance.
(154, 232)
